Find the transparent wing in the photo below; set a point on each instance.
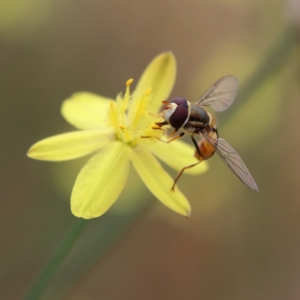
(221, 95)
(233, 161)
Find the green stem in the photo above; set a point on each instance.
(59, 255)
(272, 62)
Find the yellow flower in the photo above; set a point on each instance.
(114, 132)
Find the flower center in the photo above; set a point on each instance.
(132, 122)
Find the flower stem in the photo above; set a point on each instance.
(55, 261)
(276, 57)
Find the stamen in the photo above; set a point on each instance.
(127, 95)
(113, 116)
(127, 137)
(129, 82)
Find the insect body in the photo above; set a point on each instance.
(193, 119)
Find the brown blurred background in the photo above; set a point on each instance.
(238, 244)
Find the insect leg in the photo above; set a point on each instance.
(176, 137)
(190, 166)
(196, 146)
(180, 173)
(172, 133)
(160, 124)
(168, 141)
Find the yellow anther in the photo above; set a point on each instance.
(129, 82)
(122, 127)
(112, 105)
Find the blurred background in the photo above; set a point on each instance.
(238, 244)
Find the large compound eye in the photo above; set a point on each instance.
(180, 114)
(180, 101)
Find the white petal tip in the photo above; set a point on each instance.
(188, 213)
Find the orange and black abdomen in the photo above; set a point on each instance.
(206, 149)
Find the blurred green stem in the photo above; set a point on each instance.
(58, 257)
(273, 60)
(277, 56)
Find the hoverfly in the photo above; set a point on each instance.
(193, 119)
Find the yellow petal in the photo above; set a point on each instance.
(160, 76)
(177, 155)
(101, 181)
(70, 145)
(158, 181)
(86, 110)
